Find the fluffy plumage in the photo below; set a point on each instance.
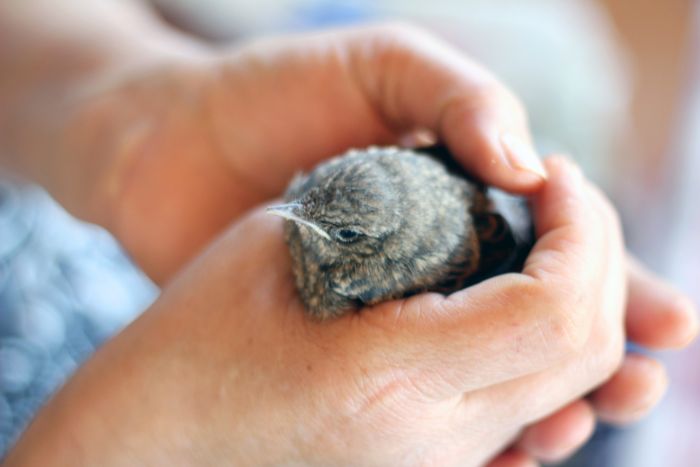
(383, 223)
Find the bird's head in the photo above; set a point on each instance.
(348, 212)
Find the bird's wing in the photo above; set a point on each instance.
(506, 234)
(363, 288)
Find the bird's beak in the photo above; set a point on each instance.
(292, 212)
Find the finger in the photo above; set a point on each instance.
(632, 392)
(417, 81)
(361, 86)
(658, 316)
(558, 436)
(513, 458)
(514, 324)
(598, 357)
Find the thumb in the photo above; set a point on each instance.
(416, 81)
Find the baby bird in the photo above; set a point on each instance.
(383, 223)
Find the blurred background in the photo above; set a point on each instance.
(612, 82)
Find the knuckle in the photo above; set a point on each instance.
(609, 212)
(605, 349)
(511, 102)
(491, 93)
(569, 337)
(393, 46)
(567, 319)
(615, 360)
(611, 348)
(559, 316)
(493, 98)
(396, 38)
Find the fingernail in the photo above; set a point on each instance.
(521, 156)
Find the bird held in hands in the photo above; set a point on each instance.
(383, 223)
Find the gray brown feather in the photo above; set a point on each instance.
(414, 226)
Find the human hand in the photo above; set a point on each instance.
(226, 367)
(657, 317)
(190, 144)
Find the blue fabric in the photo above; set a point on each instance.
(327, 13)
(65, 287)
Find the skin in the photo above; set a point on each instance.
(165, 142)
(430, 380)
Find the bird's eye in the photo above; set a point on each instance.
(347, 235)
